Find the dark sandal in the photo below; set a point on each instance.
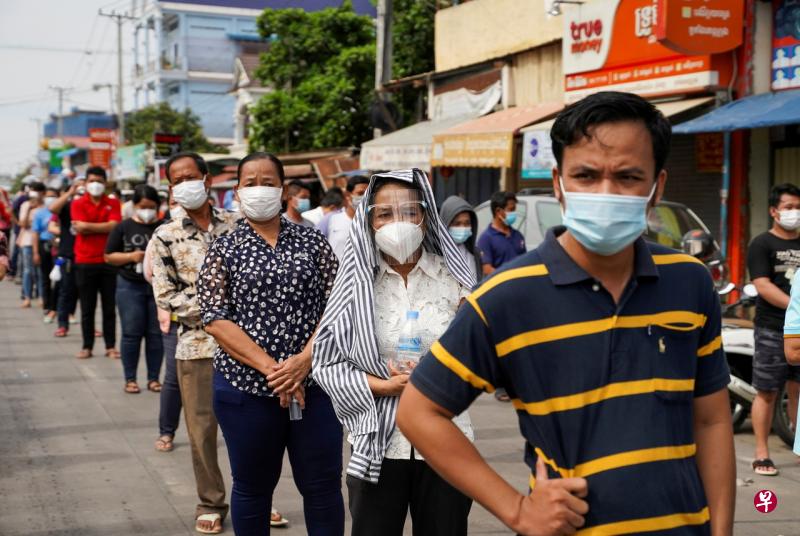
(764, 467)
(132, 388)
(164, 444)
(154, 386)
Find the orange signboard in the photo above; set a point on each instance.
(101, 145)
(700, 26)
(612, 44)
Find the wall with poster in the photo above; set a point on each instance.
(786, 44)
(538, 160)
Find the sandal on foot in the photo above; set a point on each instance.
(154, 386)
(132, 388)
(501, 396)
(164, 444)
(112, 353)
(277, 520)
(60, 332)
(84, 354)
(214, 519)
(764, 467)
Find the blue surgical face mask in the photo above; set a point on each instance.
(605, 223)
(511, 218)
(460, 234)
(303, 205)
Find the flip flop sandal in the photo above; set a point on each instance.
(84, 354)
(764, 467)
(212, 518)
(277, 520)
(164, 444)
(132, 388)
(60, 332)
(154, 386)
(112, 353)
(502, 396)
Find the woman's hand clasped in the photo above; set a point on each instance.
(288, 375)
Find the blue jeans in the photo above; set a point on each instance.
(139, 320)
(258, 431)
(30, 276)
(169, 415)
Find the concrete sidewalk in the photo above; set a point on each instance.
(78, 458)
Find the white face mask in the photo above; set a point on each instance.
(191, 195)
(147, 215)
(399, 240)
(789, 219)
(96, 189)
(260, 203)
(356, 200)
(33, 195)
(48, 201)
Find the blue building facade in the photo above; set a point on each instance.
(78, 122)
(185, 53)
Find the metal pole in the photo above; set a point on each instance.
(120, 110)
(60, 122)
(723, 194)
(383, 51)
(119, 18)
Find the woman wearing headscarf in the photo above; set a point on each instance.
(399, 259)
(462, 223)
(262, 291)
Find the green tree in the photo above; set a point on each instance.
(321, 66)
(142, 124)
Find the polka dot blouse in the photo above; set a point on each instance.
(275, 295)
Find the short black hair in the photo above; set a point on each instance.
(576, 120)
(500, 199)
(355, 180)
(779, 190)
(260, 155)
(97, 170)
(198, 160)
(332, 198)
(294, 187)
(37, 186)
(49, 189)
(145, 191)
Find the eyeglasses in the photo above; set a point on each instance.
(410, 211)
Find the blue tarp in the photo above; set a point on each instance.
(764, 110)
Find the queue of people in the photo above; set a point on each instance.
(380, 319)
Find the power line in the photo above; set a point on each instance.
(35, 48)
(119, 18)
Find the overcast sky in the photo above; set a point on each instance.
(40, 46)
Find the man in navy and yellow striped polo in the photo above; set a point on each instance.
(608, 346)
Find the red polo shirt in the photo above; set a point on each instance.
(89, 248)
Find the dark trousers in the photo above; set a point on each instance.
(13, 269)
(67, 293)
(169, 415)
(380, 509)
(258, 431)
(91, 279)
(139, 320)
(49, 296)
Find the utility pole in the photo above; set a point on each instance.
(383, 52)
(60, 90)
(119, 18)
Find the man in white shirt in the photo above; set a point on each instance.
(336, 225)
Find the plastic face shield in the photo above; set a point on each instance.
(396, 216)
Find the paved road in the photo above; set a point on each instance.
(77, 457)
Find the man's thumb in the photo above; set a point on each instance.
(541, 470)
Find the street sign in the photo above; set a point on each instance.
(101, 144)
(166, 145)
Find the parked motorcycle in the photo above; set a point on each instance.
(738, 342)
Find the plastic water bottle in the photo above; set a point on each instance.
(409, 344)
(295, 411)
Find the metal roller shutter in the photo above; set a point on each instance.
(698, 191)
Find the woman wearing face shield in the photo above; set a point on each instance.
(137, 307)
(400, 258)
(262, 291)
